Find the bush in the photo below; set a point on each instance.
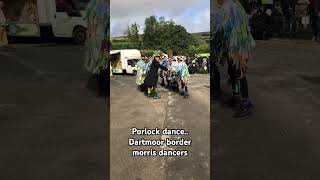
(147, 52)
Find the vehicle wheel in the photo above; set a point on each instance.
(11, 39)
(134, 73)
(80, 35)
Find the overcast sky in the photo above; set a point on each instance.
(194, 15)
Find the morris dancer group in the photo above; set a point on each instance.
(174, 75)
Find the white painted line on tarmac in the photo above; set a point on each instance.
(23, 62)
(7, 105)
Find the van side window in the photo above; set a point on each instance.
(68, 6)
(130, 63)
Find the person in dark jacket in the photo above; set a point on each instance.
(259, 25)
(289, 10)
(315, 19)
(151, 80)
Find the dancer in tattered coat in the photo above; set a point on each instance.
(151, 80)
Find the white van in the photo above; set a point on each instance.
(125, 61)
(45, 18)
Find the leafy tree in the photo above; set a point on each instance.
(127, 32)
(175, 37)
(165, 35)
(147, 52)
(192, 51)
(203, 48)
(150, 37)
(132, 33)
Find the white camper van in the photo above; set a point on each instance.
(125, 61)
(43, 18)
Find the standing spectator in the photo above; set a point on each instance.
(259, 25)
(268, 4)
(3, 33)
(269, 22)
(288, 9)
(277, 22)
(315, 19)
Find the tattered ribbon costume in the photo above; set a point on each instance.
(231, 33)
(97, 42)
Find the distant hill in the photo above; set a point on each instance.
(203, 37)
(198, 34)
(201, 34)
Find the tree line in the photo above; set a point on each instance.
(162, 34)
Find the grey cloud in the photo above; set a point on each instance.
(124, 12)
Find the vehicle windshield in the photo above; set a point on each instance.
(71, 6)
(133, 62)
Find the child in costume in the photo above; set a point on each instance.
(232, 41)
(97, 43)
